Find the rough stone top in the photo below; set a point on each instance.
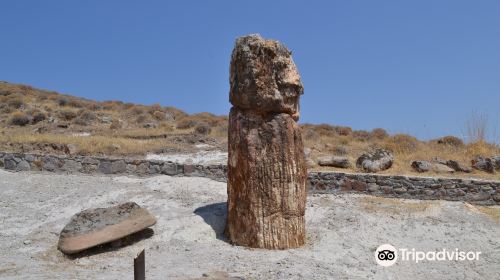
(93, 227)
(263, 77)
(95, 219)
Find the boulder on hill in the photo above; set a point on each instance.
(439, 166)
(458, 166)
(442, 168)
(485, 164)
(375, 161)
(421, 165)
(334, 161)
(496, 162)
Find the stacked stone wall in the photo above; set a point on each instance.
(471, 190)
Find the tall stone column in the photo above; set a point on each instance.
(266, 166)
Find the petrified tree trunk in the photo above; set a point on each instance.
(266, 165)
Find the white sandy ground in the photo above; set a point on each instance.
(343, 232)
(200, 157)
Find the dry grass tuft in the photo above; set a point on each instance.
(92, 145)
(67, 115)
(481, 148)
(379, 133)
(451, 141)
(19, 118)
(402, 144)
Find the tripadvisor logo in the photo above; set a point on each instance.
(387, 255)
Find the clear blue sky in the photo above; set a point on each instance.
(418, 67)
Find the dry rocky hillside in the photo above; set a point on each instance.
(41, 121)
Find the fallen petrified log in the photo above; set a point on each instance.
(93, 227)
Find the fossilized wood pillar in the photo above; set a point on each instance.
(266, 166)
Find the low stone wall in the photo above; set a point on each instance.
(471, 190)
(99, 165)
(474, 191)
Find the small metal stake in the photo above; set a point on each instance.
(139, 267)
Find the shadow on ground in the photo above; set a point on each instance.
(115, 245)
(215, 216)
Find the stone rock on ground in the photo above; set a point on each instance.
(9, 162)
(421, 165)
(93, 227)
(375, 161)
(16, 163)
(438, 160)
(114, 167)
(425, 166)
(51, 163)
(23, 166)
(484, 164)
(334, 161)
(266, 164)
(72, 149)
(442, 168)
(457, 166)
(496, 162)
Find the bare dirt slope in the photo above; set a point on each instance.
(343, 232)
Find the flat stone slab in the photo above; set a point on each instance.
(93, 227)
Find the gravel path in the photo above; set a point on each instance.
(343, 233)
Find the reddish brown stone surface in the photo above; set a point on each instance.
(266, 165)
(93, 227)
